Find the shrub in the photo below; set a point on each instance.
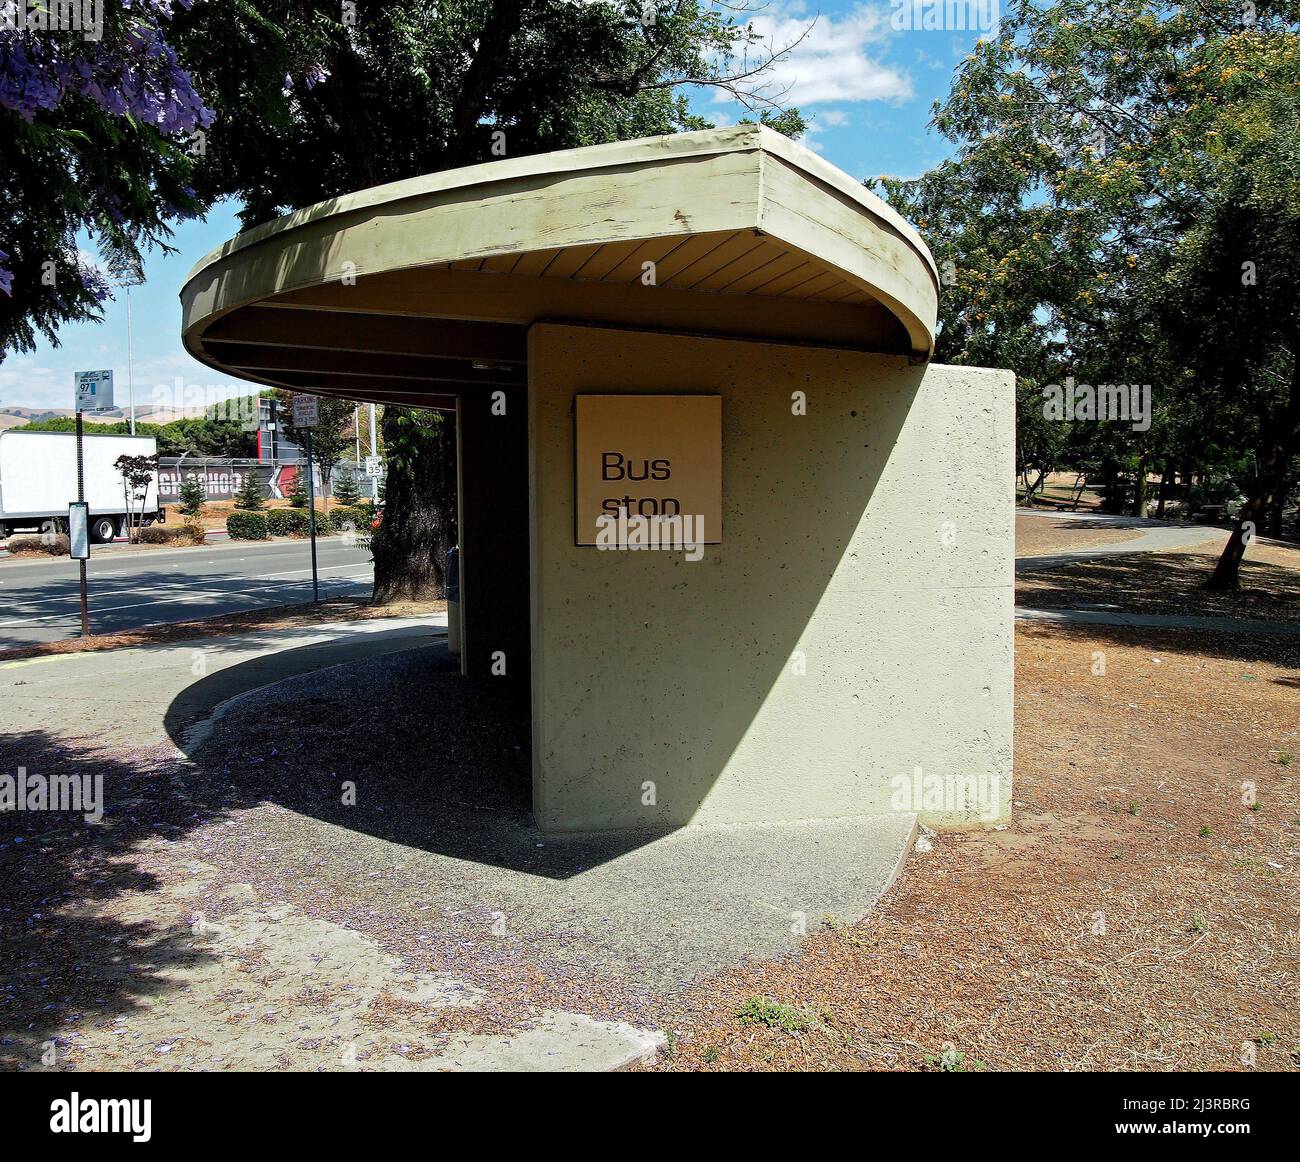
(358, 515)
(188, 533)
(324, 523)
(286, 522)
(246, 526)
(54, 546)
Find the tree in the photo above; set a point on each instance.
(330, 436)
(1116, 167)
(97, 137)
(421, 463)
(249, 497)
(298, 494)
(137, 473)
(346, 490)
(312, 108)
(192, 497)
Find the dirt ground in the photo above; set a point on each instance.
(1135, 915)
(1172, 583)
(1038, 536)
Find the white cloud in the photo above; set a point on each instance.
(833, 63)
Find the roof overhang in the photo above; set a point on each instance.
(423, 289)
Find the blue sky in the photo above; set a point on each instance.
(865, 87)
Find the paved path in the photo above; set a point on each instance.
(143, 695)
(1158, 621)
(131, 587)
(656, 911)
(1156, 536)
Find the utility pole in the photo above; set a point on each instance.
(311, 520)
(374, 451)
(130, 370)
(306, 417)
(81, 500)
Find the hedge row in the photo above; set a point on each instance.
(246, 526)
(292, 522)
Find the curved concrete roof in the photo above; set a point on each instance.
(426, 286)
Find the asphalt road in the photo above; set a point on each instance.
(131, 587)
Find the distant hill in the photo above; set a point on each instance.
(144, 413)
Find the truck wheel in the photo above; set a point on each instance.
(52, 527)
(103, 529)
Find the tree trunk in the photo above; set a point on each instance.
(1166, 481)
(1140, 487)
(419, 526)
(1272, 480)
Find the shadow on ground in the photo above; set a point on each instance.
(458, 775)
(63, 956)
(1163, 583)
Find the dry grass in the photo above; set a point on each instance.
(1135, 914)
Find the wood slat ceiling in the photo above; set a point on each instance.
(742, 262)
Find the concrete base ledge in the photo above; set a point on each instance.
(702, 900)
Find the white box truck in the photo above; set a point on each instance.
(38, 480)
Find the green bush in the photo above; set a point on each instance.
(286, 522)
(359, 515)
(246, 526)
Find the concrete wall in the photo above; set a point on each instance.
(871, 537)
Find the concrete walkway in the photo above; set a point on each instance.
(144, 695)
(653, 912)
(1156, 536)
(1157, 621)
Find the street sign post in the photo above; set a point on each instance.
(306, 411)
(306, 416)
(94, 391)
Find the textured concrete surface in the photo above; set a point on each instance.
(143, 695)
(559, 1042)
(657, 910)
(854, 624)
